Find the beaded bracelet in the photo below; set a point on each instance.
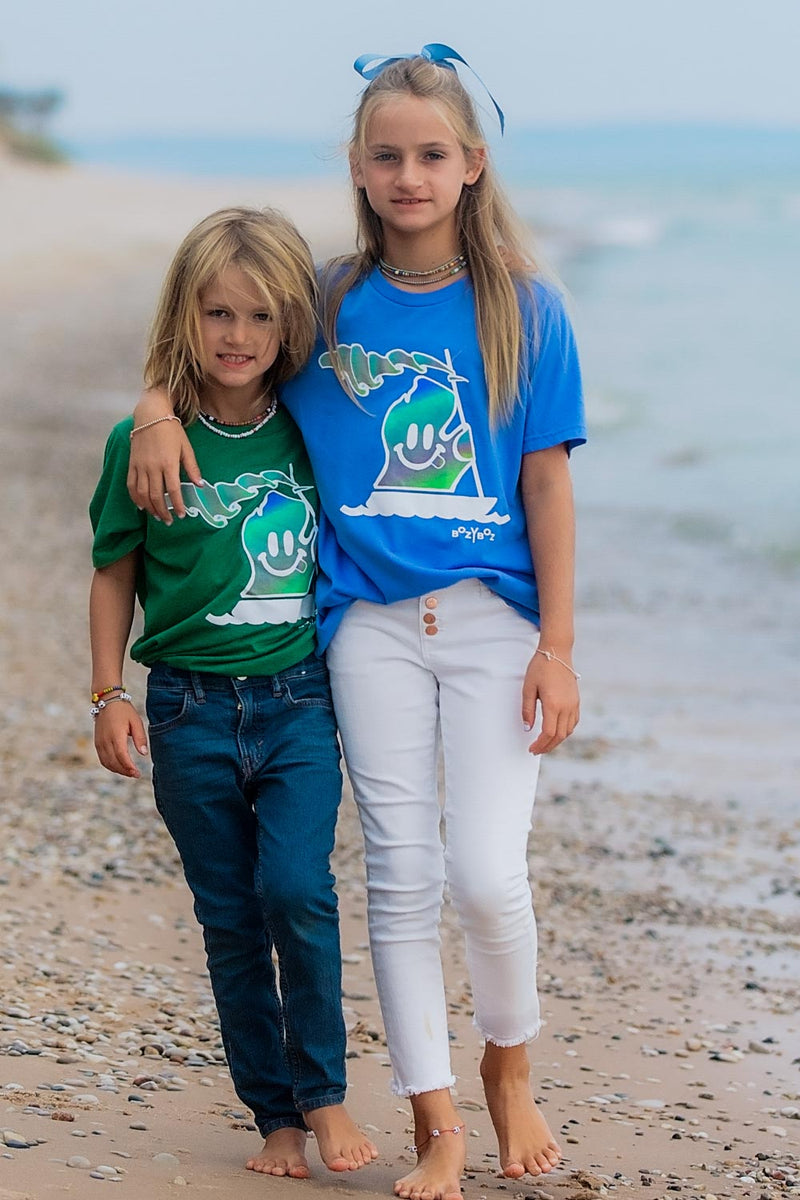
(156, 421)
(554, 658)
(96, 709)
(116, 687)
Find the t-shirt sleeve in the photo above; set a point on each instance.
(118, 525)
(554, 413)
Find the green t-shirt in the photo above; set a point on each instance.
(229, 588)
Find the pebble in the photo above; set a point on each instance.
(166, 1160)
(137, 1125)
(15, 1141)
(79, 1162)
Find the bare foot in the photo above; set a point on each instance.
(526, 1144)
(342, 1145)
(283, 1154)
(440, 1159)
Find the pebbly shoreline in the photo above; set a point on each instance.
(665, 854)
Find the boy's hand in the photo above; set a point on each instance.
(551, 685)
(113, 727)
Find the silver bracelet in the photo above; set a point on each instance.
(156, 421)
(96, 709)
(554, 658)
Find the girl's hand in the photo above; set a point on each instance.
(114, 725)
(157, 455)
(551, 685)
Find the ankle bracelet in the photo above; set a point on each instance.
(434, 1133)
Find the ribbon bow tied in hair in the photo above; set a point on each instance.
(370, 65)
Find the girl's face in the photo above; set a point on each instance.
(239, 340)
(413, 169)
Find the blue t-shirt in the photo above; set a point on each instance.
(417, 492)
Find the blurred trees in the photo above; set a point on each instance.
(23, 123)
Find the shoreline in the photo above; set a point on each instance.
(665, 853)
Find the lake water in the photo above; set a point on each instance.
(680, 247)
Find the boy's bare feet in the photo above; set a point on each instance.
(440, 1160)
(342, 1145)
(283, 1154)
(526, 1144)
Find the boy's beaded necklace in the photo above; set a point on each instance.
(255, 423)
(453, 266)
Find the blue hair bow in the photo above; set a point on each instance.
(370, 65)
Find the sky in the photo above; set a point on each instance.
(285, 68)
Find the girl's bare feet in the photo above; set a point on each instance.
(342, 1145)
(440, 1160)
(283, 1154)
(526, 1144)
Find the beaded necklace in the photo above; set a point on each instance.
(423, 278)
(256, 424)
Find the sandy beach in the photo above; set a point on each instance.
(665, 855)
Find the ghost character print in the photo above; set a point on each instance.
(278, 539)
(429, 466)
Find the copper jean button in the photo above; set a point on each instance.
(431, 602)
(431, 630)
(429, 618)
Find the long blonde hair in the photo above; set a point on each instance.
(267, 247)
(490, 235)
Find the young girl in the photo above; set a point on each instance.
(242, 733)
(439, 415)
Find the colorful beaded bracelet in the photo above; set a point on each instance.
(96, 709)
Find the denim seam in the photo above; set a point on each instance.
(292, 1057)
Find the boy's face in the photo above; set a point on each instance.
(240, 340)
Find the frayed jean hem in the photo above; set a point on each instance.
(507, 1043)
(399, 1090)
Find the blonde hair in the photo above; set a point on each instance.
(489, 234)
(267, 247)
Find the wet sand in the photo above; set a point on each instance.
(665, 853)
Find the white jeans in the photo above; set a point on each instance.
(398, 692)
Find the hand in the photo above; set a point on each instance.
(114, 725)
(551, 685)
(157, 455)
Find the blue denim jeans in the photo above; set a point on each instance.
(246, 777)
